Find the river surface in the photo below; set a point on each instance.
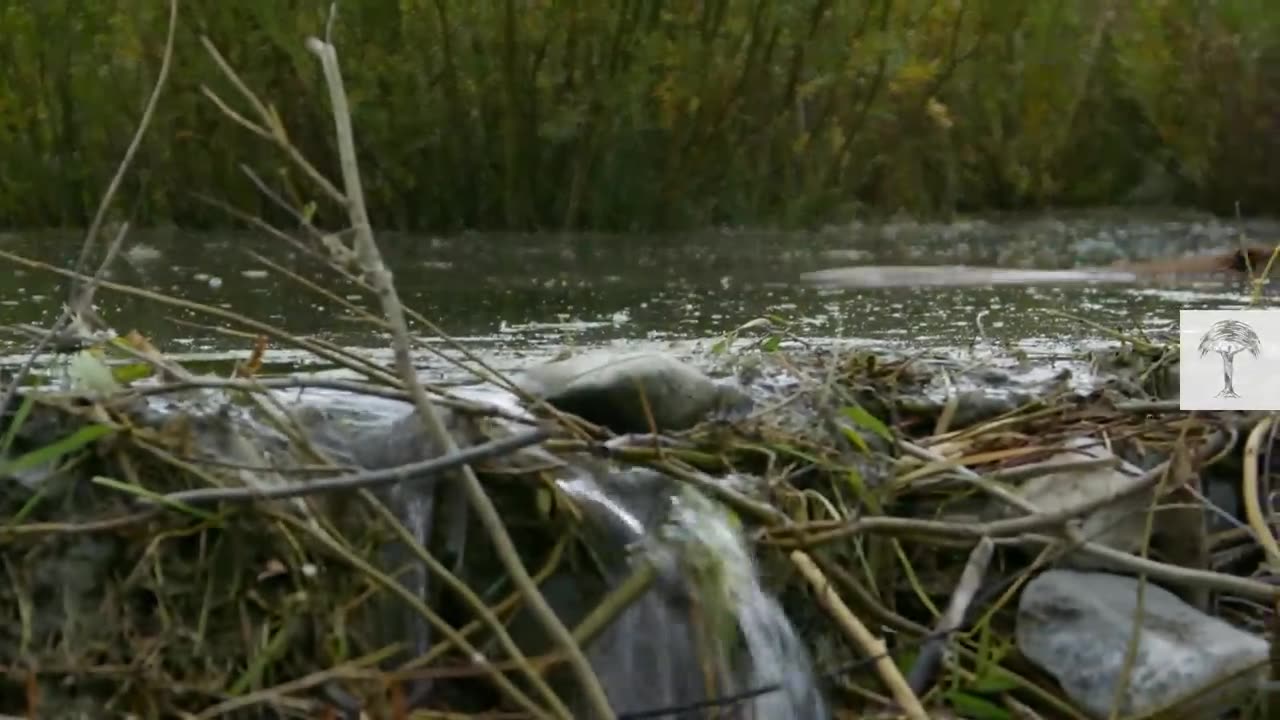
(519, 297)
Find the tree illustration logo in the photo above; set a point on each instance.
(1229, 338)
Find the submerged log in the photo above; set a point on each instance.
(1245, 261)
(1231, 265)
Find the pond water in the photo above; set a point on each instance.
(516, 297)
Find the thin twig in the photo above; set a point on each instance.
(473, 601)
(305, 382)
(61, 324)
(370, 258)
(409, 473)
(415, 602)
(79, 299)
(930, 658)
(858, 633)
(975, 531)
(75, 299)
(270, 124)
(338, 358)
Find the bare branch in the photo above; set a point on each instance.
(380, 279)
(365, 480)
(145, 122)
(81, 297)
(274, 128)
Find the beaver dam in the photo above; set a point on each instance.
(785, 532)
(773, 528)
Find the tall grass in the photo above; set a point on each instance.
(631, 114)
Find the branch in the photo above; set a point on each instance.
(861, 636)
(370, 258)
(80, 297)
(408, 473)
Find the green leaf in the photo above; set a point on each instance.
(771, 344)
(158, 498)
(976, 708)
(19, 419)
(47, 454)
(867, 421)
(856, 439)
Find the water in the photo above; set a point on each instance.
(655, 654)
(777, 655)
(515, 297)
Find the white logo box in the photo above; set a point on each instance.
(1230, 359)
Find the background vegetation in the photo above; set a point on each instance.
(630, 114)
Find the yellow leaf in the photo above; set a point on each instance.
(914, 74)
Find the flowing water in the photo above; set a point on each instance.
(518, 299)
(653, 656)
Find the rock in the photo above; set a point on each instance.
(1077, 627)
(605, 388)
(1120, 524)
(1179, 531)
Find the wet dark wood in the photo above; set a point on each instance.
(1245, 261)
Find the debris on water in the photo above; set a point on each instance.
(141, 254)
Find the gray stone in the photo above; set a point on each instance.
(1179, 531)
(1077, 626)
(1120, 524)
(605, 388)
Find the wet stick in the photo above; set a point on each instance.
(363, 480)
(387, 582)
(859, 634)
(1174, 574)
(481, 369)
(994, 529)
(1249, 490)
(931, 653)
(370, 259)
(468, 596)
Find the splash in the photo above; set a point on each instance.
(777, 657)
(708, 629)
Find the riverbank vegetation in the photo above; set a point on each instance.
(645, 115)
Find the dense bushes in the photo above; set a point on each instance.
(648, 113)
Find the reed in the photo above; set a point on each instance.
(651, 115)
